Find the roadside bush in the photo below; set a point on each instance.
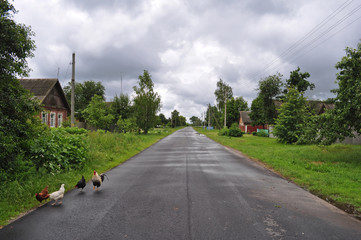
(233, 131)
(60, 149)
(262, 134)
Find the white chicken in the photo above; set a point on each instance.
(58, 195)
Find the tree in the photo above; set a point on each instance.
(298, 80)
(97, 114)
(84, 93)
(347, 112)
(146, 103)
(293, 117)
(121, 107)
(195, 121)
(264, 110)
(163, 120)
(223, 94)
(17, 124)
(175, 118)
(235, 105)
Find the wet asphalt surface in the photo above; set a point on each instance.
(187, 187)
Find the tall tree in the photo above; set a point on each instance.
(293, 117)
(298, 80)
(16, 105)
(84, 93)
(223, 93)
(235, 105)
(264, 110)
(175, 118)
(347, 112)
(146, 102)
(196, 121)
(121, 107)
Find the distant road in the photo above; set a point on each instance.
(187, 187)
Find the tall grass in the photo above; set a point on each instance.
(331, 172)
(106, 150)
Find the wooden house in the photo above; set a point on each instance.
(245, 123)
(51, 96)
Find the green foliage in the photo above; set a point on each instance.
(233, 131)
(121, 107)
(97, 114)
(127, 125)
(146, 103)
(293, 117)
(223, 93)
(17, 124)
(195, 121)
(234, 106)
(262, 133)
(84, 93)
(60, 149)
(347, 112)
(298, 81)
(263, 108)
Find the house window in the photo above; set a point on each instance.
(60, 119)
(52, 119)
(44, 118)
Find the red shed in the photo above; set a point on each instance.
(245, 123)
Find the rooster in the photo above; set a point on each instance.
(97, 180)
(58, 195)
(81, 184)
(42, 195)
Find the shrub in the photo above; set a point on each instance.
(60, 149)
(233, 131)
(223, 132)
(262, 134)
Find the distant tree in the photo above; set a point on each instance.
(146, 103)
(213, 116)
(121, 107)
(182, 120)
(163, 120)
(84, 93)
(97, 114)
(264, 110)
(17, 107)
(298, 80)
(175, 118)
(235, 105)
(195, 121)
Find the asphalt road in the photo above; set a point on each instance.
(187, 187)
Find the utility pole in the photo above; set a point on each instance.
(209, 116)
(225, 110)
(73, 91)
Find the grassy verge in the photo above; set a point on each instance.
(330, 172)
(106, 150)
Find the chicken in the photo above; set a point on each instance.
(58, 195)
(81, 184)
(42, 195)
(98, 180)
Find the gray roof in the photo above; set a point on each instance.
(40, 87)
(245, 117)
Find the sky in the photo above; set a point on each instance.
(188, 45)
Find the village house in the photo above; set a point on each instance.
(245, 123)
(52, 98)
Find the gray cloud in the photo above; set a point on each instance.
(187, 45)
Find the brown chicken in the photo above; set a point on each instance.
(42, 195)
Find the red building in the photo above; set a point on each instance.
(245, 123)
(51, 96)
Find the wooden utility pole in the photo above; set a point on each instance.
(209, 116)
(73, 91)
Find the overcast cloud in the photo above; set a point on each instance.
(188, 45)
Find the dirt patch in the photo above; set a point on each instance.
(318, 163)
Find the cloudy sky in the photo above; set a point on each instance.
(188, 45)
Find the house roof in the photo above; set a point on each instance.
(41, 87)
(245, 117)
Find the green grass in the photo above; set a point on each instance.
(331, 172)
(106, 150)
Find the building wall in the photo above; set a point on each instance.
(251, 128)
(57, 112)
